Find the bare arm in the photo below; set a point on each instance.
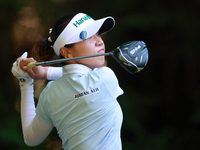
(40, 72)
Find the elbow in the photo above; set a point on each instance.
(30, 142)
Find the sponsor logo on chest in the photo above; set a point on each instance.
(89, 92)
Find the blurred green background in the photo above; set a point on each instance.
(161, 104)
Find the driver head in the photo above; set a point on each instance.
(132, 56)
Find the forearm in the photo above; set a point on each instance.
(40, 72)
(34, 130)
(27, 107)
(49, 73)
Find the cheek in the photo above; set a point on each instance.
(77, 50)
(82, 52)
(83, 48)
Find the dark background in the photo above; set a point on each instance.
(161, 104)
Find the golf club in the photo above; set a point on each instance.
(132, 56)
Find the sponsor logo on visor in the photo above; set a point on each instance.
(83, 35)
(77, 23)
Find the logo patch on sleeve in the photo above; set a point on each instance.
(89, 92)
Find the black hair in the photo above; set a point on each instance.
(43, 48)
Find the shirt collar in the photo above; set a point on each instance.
(75, 69)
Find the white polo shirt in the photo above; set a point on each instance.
(82, 106)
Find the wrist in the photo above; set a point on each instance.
(25, 80)
(45, 72)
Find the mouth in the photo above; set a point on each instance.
(101, 51)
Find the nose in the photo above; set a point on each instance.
(99, 40)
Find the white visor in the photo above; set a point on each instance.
(80, 28)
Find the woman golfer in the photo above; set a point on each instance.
(81, 104)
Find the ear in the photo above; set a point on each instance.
(66, 52)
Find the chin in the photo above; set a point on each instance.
(98, 64)
(103, 64)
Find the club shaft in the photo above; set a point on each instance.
(34, 64)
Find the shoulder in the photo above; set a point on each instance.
(105, 71)
(48, 86)
(49, 93)
(110, 81)
(53, 84)
(49, 89)
(106, 74)
(54, 87)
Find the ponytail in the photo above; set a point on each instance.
(43, 49)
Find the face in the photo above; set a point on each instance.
(90, 46)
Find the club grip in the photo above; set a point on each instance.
(32, 64)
